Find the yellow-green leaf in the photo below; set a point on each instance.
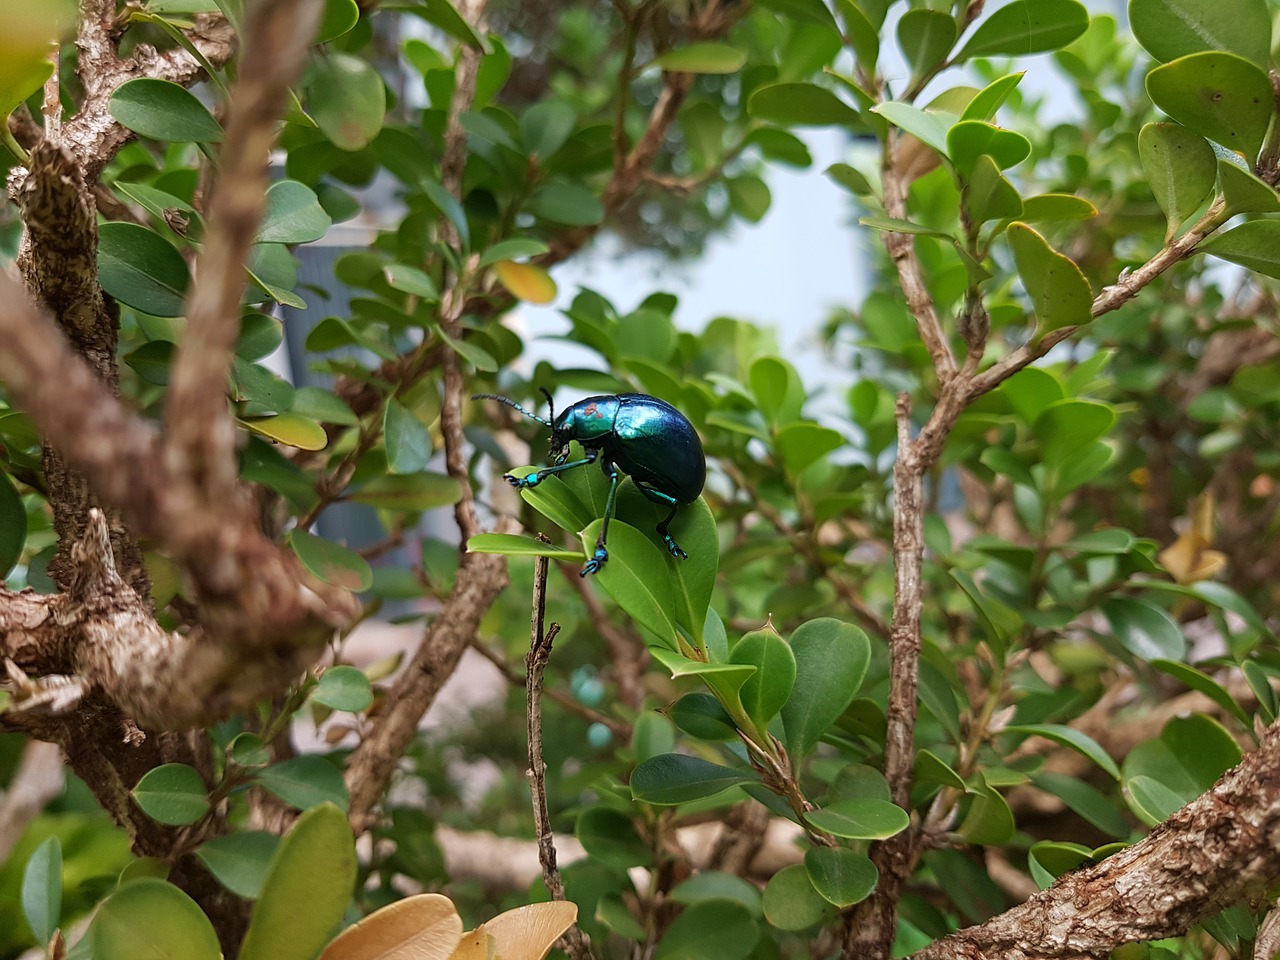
(290, 429)
(525, 281)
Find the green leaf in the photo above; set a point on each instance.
(475, 355)
(850, 179)
(991, 97)
(407, 439)
(970, 139)
(273, 268)
(702, 58)
(304, 782)
(931, 768)
(545, 126)
(42, 889)
(347, 100)
(989, 821)
(307, 889)
(1048, 860)
(803, 11)
(142, 269)
(343, 688)
(1026, 26)
(611, 838)
(694, 579)
(926, 37)
(831, 662)
(1243, 192)
(1187, 758)
(239, 861)
(1151, 801)
(411, 492)
(1145, 630)
(331, 562)
(701, 715)
(1254, 245)
(511, 249)
(1217, 95)
(163, 110)
(25, 64)
(862, 818)
(1057, 288)
(711, 930)
(1000, 621)
(173, 794)
(444, 15)
(725, 679)
(988, 195)
(153, 919)
(290, 429)
(800, 105)
(1169, 29)
(674, 778)
(636, 576)
(322, 406)
(880, 222)
(791, 903)
(1197, 680)
(803, 443)
(1078, 741)
(13, 525)
(1181, 168)
(1048, 207)
(570, 203)
(515, 545)
(840, 875)
(926, 125)
(1066, 427)
(555, 500)
(717, 885)
(293, 214)
(448, 205)
(749, 197)
(764, 692)
(774, 382)
(1085, 800)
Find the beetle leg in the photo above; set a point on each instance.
(602, 552)
(673, 548)
(533, 479)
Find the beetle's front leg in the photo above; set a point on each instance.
(535, 478)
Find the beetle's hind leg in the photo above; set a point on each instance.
(601, 555)
(657, 496)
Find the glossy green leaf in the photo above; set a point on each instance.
(674, 778)
(163, 110)
(556, 501)
(273, 268)
(926, 37)
(331, 562)
(991, 97)
(1047, 860)
(694, 578)
(307, 889)
(989, 821)
(765, 691)
(711, 930)
(725, 679)
(1026, 26)
(926, 125)
(702, 58)
(25, 62)
(929, 767)
(1181, 168)
(610, 837)
(1085, 800)
(407, 439)
(347, 99)
(545, 126)
(970, 139)
(1169, 29)
(803, 11)
(13, 525)
(863, 818)
(831, 661)
(240, 860)
(172, 793)
(511, 249)
(1187, 758)
(749, 197)
(1049, 207)
(515, 545)
(322, 406)
(1145, 630)
(1217, 95)
(774, 382)
(448, 205)
(701, 715)
(42, 889)
(1000, 621)
(339, 17)
(343, 688)
(140, 268)
(260, 336)
(717, 885)
(804, 442)
(290, 429)
(293, 215)
(892, 224)
(988, 195)
(863, 36)
(636, 576)
(790, 901)
(412, 492)
(570, 203)
(850, 179)
(841, 876)
(1066, 427)
(1197, 680)
(1151, 801)
(153, 919)
(1244, 192)
(1057, 288)
(305, 782)
(1077, 740)
(1254, 245)
(444, 15)
(800, 105)
(474, 354)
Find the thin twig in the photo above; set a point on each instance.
(576, 942)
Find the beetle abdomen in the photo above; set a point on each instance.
(658, 446)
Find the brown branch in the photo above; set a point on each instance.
(201, 433)
(1220, 849)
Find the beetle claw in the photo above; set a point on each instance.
(595, 564)
(673, 548)
(521, 483)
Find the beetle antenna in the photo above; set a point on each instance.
(511, 403)
(551, 404)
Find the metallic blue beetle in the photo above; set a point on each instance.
(634, 433)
